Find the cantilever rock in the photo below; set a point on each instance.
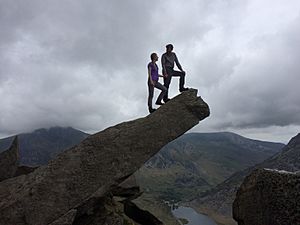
(9, 161)
(103, 159)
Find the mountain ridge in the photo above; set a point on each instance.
(42, 145)
(218, 201)
(197, 162)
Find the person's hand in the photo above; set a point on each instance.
(153, 84)
(166, 75)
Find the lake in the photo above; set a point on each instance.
(192, 216)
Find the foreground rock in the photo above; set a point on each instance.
(9, 161)
(268, 197)
(217, 203)
(55, 192)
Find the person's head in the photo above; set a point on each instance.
(169, 47)
(154, 57)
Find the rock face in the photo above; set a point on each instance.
(272, 196)
(268, 197)
(218, 202)
(9, 161)
(287, 159)
(52, 192)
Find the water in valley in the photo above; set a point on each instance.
(192, 216)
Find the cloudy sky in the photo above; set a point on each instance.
(83, 63)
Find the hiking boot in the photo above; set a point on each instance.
(151, 110)
(183, 89)
(159, 103)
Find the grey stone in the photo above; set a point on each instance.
(268, 197)
(217, 203)
(102, 159)
(66, 219)
(9, 161)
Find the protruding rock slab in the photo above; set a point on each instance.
(9, 161)
(102, 159)
(268, 197)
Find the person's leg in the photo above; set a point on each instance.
(167, 81)
(162, 93)
(150, 94)
(181, 79)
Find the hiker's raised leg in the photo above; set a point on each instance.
(162, 93)
(181, 76)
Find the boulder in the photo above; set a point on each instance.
(268, 197)
(9, 161)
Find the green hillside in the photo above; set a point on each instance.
(197, 162)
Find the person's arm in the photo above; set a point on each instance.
(163, 64)
(177, 63)
(149, 74)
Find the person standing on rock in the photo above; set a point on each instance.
(153, 82)
(167, 61)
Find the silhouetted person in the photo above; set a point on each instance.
(167, 61)
(153, 82)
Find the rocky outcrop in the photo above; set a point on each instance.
(22, 170)
(268, 197)
(100, 208)
(9, 161)
(139, 215)
(271, 196)
(66, 219)
(102, 160)
(217, 203)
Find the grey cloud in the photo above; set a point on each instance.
(263, 90)
(83, 64)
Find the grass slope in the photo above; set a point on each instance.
(196, 162)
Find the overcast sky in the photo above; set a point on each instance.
(84, 63)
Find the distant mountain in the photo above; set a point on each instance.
(218, 202)
(38, 147)
(196, 162)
